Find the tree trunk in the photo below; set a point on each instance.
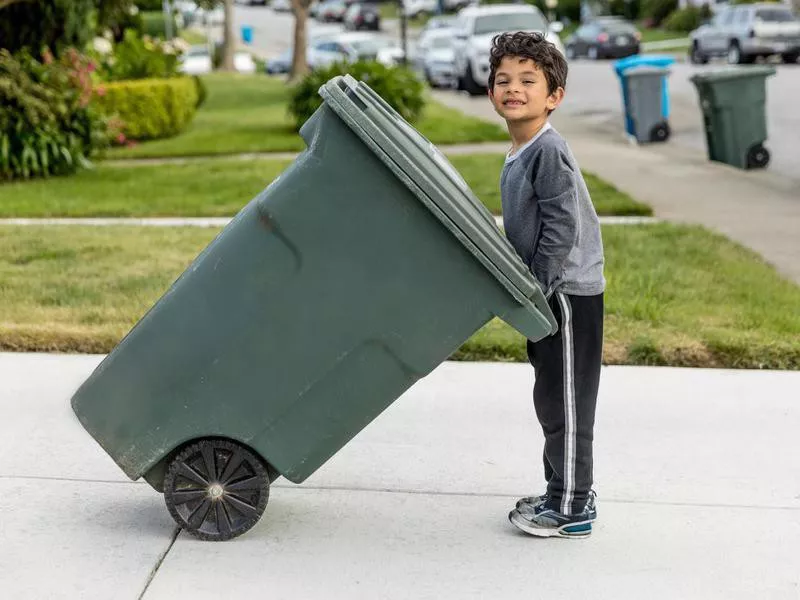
(299, 62)
(229, 39)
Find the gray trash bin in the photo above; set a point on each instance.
(646, 103)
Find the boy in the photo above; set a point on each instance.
(551, 222)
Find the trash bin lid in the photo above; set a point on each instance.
(728, 73)
(433, 180)
(642, 60)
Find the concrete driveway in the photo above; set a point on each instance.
(697, 471)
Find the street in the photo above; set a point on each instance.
(594, 91)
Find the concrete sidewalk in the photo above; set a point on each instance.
(758, 209)
(697, 473)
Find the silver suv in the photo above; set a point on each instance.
(747, 31)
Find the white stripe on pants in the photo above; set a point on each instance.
(569, 405)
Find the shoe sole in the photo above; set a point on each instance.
(580, 530)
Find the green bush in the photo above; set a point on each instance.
(202, 90)
(54, 24)
(566, 9)
(624, 8)
(136, 58)
(47, 125)
(684, 20)
(155, 25)
(399, 86)
(149, 5)
(150, 108)
(658, 10)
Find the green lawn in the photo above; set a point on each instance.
(676, 295)
(220, 187)
(246, 113)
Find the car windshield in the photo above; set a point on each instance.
(775, 15)
(197, 51)
(441, 42)
(509, 22)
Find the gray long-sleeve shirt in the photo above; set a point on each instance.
(549, 217)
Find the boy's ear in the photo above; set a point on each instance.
(554, 99)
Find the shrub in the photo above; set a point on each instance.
(54, 24)
(399, 86)
(137, 58)
(684, 20)
(658, 10)
(202, 90)
(155, 25)
(47, 125)
(150, 108)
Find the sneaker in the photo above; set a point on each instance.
(550, 523)
(530, 503)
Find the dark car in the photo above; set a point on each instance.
(604, 38)
(362, 16)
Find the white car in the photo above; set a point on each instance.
(475, 28)
(436, 57)
(368, 46)
(197, 61)
(215, 16)
(416, 8)
(281, 5)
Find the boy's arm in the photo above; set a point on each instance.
(557, 196)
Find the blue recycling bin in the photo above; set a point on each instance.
(622, 66)
(247, 34)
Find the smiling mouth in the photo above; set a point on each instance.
(513, 103)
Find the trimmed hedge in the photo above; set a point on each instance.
(151, 108)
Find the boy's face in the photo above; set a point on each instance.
(520, 91)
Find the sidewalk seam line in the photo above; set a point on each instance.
(158, 564)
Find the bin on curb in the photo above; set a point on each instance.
(247, 34)
(645, 84)
(646, 103)
(356, 272)
(733, 101)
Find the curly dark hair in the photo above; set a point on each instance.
(534, 47)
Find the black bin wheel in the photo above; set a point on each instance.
(660, 133)
(216, 489)
(757, 157)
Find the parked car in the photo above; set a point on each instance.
(333, 11)
(604, 38)
(319, 53)
(251, 2)
(198, 61)
(744, 32)
(417, 8)
(436, 58)
(281, 5)
(368, 46)
(440, 22)
(476, 26)
(362, 16)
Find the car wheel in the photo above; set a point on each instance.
(592, 53)
(790, 58)
(696, 55)
(734, 54)
(472, 87)
(570, 50)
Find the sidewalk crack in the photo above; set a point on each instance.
(158, 564)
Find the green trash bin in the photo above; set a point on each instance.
(356, 272)
(733, 101)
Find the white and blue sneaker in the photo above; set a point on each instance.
(545, 522)
(530, 503)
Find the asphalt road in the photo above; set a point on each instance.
(594, 91)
